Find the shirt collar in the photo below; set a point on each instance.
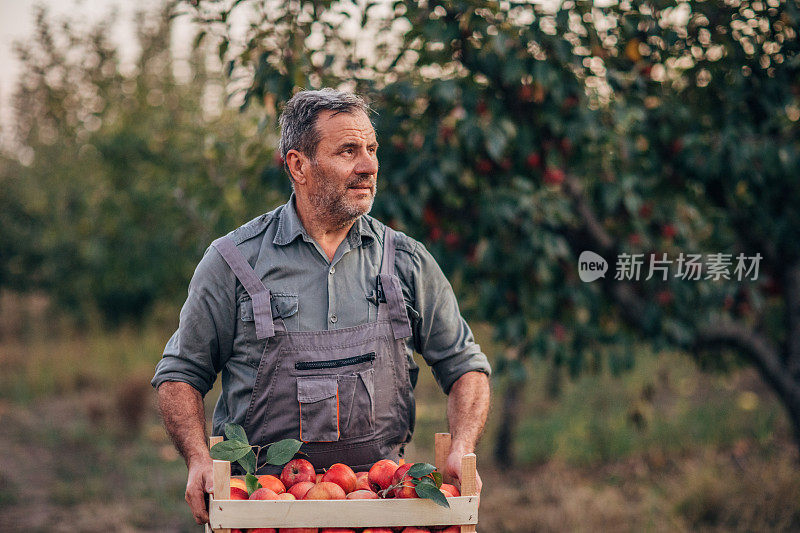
(290, 227)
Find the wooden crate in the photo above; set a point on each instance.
(225, 513)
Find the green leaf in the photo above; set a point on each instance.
(248, 462)
(235, 432)
(252, 483)
(281, 452)
(419, 470)
(230, 450)
(437, 478)
(429, 491)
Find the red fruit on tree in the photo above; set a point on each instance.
(553, 176)
(664, 298)
(534, 160)
(484, 166)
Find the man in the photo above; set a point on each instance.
(311, 312)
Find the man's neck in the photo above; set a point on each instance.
(329, 235)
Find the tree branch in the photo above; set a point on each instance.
(758, 349)
(792, 298)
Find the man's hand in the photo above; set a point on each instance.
(453, 467)
(198, 484)
(181, 407)
(467, 408)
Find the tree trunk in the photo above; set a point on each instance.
(509, 419)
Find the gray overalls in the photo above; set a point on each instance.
(345, 393)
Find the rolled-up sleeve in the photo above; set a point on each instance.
(200, 347)
(440, 333)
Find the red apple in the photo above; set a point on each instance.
(380, 475)
(259, 530)
(298, 490)
(414, 529)
(377, 530)
(363, 494)
(450, 490)
(298, 530)
(342, 475)
(406, 490)
(264, 494)
(362, 481)
(318, 478)
(286, 496)
(325, 490)
(273, 483)
(239, 494)
(297, 470)
(337, 530)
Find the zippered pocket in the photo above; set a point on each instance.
(335, 363)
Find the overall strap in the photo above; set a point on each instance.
(259, 294)
(392, 290)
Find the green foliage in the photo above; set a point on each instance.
(238, 448)
(676, 123)
(122, 178)
(426, 488)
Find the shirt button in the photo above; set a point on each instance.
(332, 270)
(334, 319)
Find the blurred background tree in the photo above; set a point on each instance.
(123, 175)
(513, 138)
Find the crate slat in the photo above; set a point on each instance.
(342, 513)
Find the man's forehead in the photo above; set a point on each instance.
(336, 127)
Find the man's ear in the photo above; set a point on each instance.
(298, 165)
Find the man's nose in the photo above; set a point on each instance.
(367, 163)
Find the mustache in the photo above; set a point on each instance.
(361, 182)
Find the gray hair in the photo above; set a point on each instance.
(299, 117)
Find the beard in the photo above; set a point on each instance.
(330, 199)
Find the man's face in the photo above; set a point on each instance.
(345, 170)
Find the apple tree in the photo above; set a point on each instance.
(514, 137)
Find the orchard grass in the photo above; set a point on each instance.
(662, 447)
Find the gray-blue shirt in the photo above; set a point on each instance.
(310, 293)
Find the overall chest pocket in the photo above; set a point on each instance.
(336, 406)
(284, 306)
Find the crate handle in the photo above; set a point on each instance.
(221, 478)
(469, 471)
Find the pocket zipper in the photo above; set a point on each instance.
(334, 363)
